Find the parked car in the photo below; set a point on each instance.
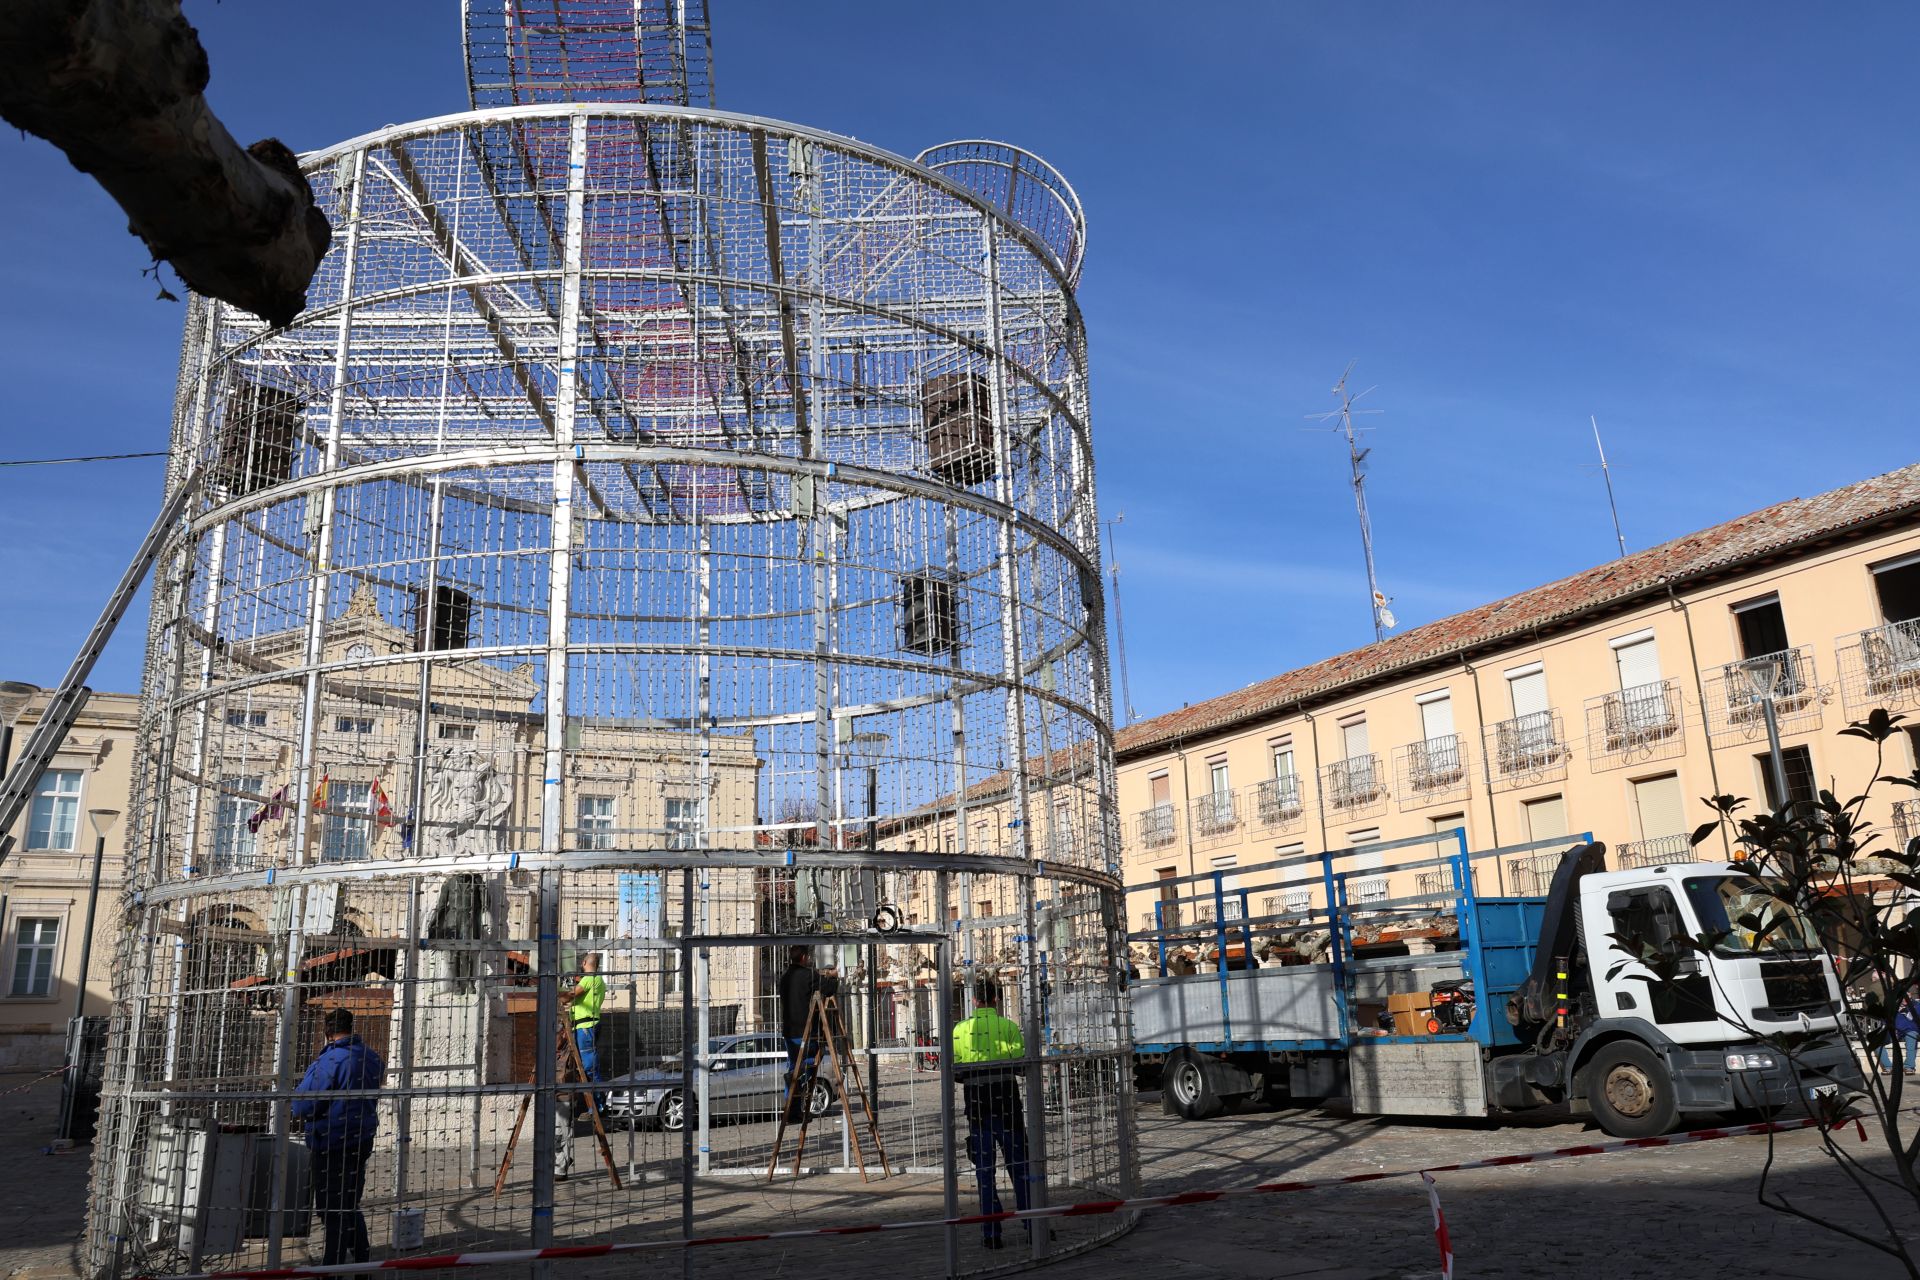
(748, 1080)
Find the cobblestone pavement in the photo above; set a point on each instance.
(1681, 1211)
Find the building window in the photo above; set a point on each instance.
(346, 834)
(983, 909)
(454, 732)
(1447, 822)
(353, 724)
(590, 932)
(683, 822)
(595, 822)
(56, 811)
(1801, 787)
(1229, 885)
(1762, 627)
(1898, 587)
(247, 719)
(233, 844)
(1527, 688)
(37, 940)
(1546, 818)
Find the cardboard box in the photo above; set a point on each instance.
(1410, 1010)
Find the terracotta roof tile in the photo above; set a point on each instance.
(1753, 537)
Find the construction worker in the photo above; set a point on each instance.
(339, 1134)
(797, 987)
(584, 999)
(987, 1051)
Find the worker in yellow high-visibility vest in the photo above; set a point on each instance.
(584, 999)
(987, 1052)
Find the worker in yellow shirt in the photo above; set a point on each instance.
(584, 999)
(987, 1054)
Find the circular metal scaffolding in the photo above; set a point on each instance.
(667, 535)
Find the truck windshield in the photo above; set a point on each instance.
(1754, 920)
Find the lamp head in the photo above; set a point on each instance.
(103, 820)
(14, 697)
(1762, 675)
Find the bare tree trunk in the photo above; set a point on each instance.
(117, 85)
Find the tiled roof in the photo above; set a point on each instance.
(1772, 531)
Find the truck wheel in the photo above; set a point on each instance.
(1189, 1089)
(1630, 1091)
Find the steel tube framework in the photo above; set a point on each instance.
(635, 466)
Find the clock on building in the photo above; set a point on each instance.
(359, 652)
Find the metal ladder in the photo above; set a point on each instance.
(72, 694)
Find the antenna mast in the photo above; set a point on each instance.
(1119, 625)
(1607, 475)
(1377, 601)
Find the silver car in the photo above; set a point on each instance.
(748, 1080)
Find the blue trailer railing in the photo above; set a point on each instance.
(1498, 933)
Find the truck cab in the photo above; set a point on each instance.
(1644, 1053)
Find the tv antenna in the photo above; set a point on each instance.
(1607, 474)
(1119, 625)
(1383, 619)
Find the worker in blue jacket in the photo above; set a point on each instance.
(340, 1135)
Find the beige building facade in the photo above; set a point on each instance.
(1610, 702)
(45, 879)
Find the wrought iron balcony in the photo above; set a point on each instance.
(1277, 801)
(1657, 852)
(1214, 815)
(1634, 725)
(1354, 783)
(1156, 826)
(1527, 749)
(1882, 668)
(1906, 821)
(1431, 770)
(1439, 882)
(1735, 713)
(1532, 877)
(1298, 903)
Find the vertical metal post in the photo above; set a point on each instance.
(408, 977)
(1776, 760)
(76, 1026)
(314, 653)
(943, 1034)
(688, 1048)
(546, 1061)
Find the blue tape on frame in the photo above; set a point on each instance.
(271, 872)
(789, 857)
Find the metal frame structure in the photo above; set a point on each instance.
(639, 477)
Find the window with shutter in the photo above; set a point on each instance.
(1436, 718)
(1528, 689)
(1660, 806)
(1546, 818)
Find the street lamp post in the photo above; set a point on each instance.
(1763, 679)
(103, 821)
(14, 697)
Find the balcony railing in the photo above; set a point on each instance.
(1294, 904)
(1735, 713)
(1215, 815)
(1439, 882)
(1532, 877)
(1906, 821)
(1353, 784)
(1636, 724)
(1156, 825)
(1277, 801)
(1657, 852)
(1432, 770)
(1527, 749)
(1882, 668)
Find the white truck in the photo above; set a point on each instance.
(1524, 1001)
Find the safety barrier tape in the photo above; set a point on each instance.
(22, 1088)
(1084, 1209)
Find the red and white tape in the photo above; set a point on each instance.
(1085, 1209)
(22, 1088)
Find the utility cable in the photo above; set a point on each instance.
(98, 457)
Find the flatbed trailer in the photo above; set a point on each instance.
(1312, 1031)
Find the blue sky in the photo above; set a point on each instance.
(1696, 222)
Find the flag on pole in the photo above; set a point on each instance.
(1439, 1227)
(320, 792)
(272, 811)
(406, 834)
(382, 807)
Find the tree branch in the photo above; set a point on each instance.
(117, 85)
